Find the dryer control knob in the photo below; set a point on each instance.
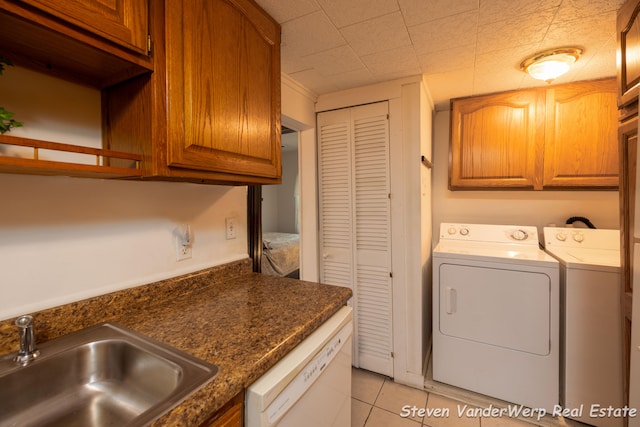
(451, 230)
(464, 231)
(578, 237)
(519, 235)
(561, 236)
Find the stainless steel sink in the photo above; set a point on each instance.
(104, 375)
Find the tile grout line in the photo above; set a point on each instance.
(374, 402)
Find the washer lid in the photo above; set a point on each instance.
(495, 252)
(586, 258)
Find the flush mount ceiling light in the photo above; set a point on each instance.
(550, 64)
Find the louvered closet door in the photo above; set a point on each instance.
(334, 169)
(356, 207)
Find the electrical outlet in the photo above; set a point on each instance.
(230, 224)
(182, 251)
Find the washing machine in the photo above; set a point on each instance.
(496, 304)
(591, 326)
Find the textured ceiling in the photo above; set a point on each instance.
(463, 47)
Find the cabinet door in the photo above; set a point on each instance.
(581, 138)
(123, 22)
(231, 418)
(230, 415)
(495, 141)
(628, 26)
(223, 65)
(628, 137)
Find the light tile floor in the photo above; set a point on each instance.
(376, 401)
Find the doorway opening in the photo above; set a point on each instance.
(274, 217)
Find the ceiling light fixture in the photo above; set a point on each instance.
(550, 64)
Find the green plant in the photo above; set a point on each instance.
(6, 117)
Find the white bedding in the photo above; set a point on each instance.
(280, 253)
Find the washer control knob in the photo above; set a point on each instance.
(464, 231)
(451, 230)
(519, 235)
(578, 237)
(561, 236)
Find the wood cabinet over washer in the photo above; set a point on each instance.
(556, 137)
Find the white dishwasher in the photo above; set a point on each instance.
(310, 386)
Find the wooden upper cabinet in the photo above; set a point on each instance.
(628, 26)
(95, 43)
(581, 135)
(223, 71)
(204, 107)
(210, 112)
(495, 140)
(123, 22)
(553, 137)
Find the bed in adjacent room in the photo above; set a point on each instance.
(281, 254)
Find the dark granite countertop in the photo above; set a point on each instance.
(241, 321)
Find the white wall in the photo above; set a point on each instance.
(278, 201)
(298, 113)
(287, 213)
(270, 208)
(538, 208)
(51, 109)
(64, 239)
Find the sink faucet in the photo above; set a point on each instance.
(27, 352)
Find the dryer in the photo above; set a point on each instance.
(496, 313)
(591, 333)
